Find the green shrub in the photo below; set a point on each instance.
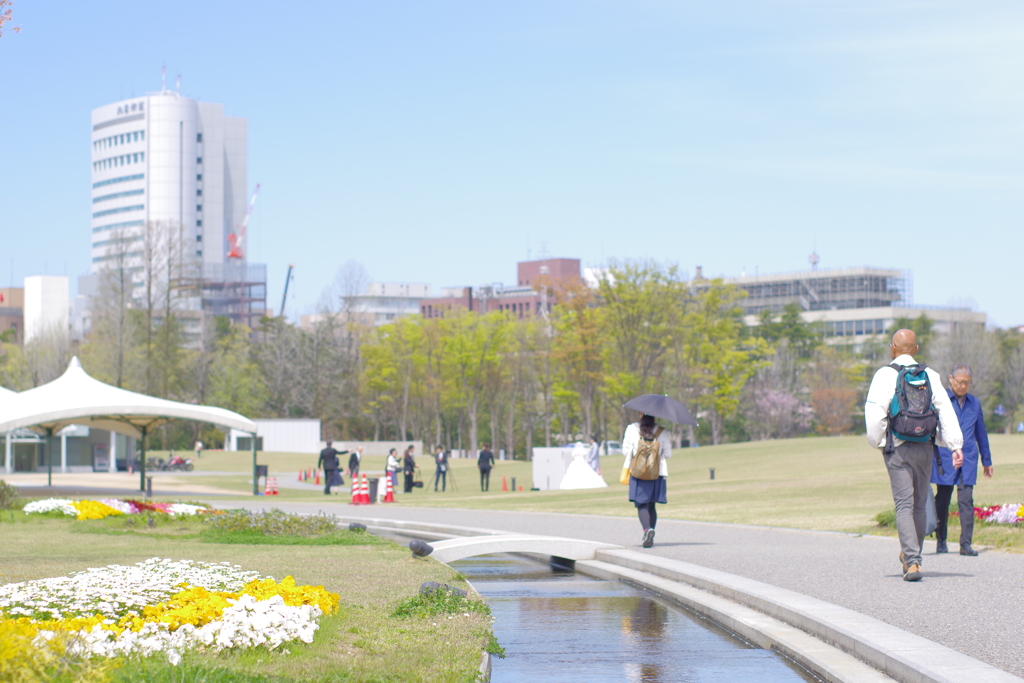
(439, 601)
(273, 523)
(886, 518)
(8, 496)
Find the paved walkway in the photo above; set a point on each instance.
(974, 605)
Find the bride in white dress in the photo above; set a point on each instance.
(580, 475)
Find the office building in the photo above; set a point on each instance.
(169, 185)
(46, 306)
(850, 304)
(383, 302)
(12, 314)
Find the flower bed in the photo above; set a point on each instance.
(108, 507)
(1001, 514)
(165, 606)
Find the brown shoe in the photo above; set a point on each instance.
(903, 561)
(913, 573)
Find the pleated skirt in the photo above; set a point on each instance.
(643, 491)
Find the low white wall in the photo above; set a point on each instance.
(378, 447)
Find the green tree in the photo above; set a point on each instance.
(236, 382)
(578, 349)
(477, 342)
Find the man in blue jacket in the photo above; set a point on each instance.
(972, 424)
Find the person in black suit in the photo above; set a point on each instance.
(329, 461)
(441, 460)
(485, 462)
(408, 469)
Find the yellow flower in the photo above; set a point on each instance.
(93, 509)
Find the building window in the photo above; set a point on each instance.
(135, 136)
(135, 158)
(142, 135)
(199, 137)
(199, 193)
(199, 224)
(199, 160)
(199, 253)
(199, 238)
(199, 207)
(199, 176)
(142, 157)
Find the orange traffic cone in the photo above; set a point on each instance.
(273, 486)
(389, 495)
(266, 487)
(355, 492)
(300, 475)
(317, 477)
(504, 483)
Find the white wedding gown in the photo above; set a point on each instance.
(580, 475)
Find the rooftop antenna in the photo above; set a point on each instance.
(814, 259)
(163, 78)
(178, 84)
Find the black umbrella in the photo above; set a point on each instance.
(663, 407)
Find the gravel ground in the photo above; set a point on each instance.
(974, 605)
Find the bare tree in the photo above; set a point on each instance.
(971, 344)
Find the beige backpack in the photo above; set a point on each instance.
(646, 463)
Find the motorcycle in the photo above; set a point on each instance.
(178, 463)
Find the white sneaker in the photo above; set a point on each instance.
(648, 538)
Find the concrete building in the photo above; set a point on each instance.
(46, 307)
(851, 304)
(384, 302)
(529, 297)
(169, 185)
(12, 314)
(278, 436)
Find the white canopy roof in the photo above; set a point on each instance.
(77, 398)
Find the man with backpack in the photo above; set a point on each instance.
(906, 412)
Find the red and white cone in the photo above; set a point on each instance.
(357, 498)
(389, 495)
(273, 486)
(266, 487)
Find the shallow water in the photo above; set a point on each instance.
(556, 625)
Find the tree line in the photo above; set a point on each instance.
(469, 378)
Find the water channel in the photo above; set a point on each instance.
(556, 625)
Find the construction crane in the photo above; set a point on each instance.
(287, 279)
(236, 240)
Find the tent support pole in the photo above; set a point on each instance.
(49, 458)
(255, 480)
(142, 460)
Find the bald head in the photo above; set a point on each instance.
(903, 342)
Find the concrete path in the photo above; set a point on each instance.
(974, 605)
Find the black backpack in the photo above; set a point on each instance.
(912, 415)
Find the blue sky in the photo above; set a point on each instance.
(439, 141)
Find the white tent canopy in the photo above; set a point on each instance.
(77, 398)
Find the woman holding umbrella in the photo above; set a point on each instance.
(647, 484)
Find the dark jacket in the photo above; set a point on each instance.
(409, 465)
(972, 424)
(328, 458)
(353, 460)
(486, 460)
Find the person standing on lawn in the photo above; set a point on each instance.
(354, 460)
(972, 425)
(329, 461)
(644, 492)
(908, 462)
(392, 468)
(408, 469)
(441, 473)
(484, 463)
(594, 456)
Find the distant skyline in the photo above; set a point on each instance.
(439, 142)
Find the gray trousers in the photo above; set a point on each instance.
(965, 501)
(910, 468)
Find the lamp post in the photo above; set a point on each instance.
(255, 479)
(142, 459)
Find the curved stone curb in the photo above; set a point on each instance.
(904, 656)
(835, 642)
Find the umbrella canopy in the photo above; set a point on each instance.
(77, 398)
(663, 407)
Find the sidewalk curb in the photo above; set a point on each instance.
(832, 641)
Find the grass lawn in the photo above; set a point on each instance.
(362, 642)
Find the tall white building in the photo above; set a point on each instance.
(46, 305)
(169, 159)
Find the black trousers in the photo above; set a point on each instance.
(485, 479)
(408, 482)
(328, 476)
(441, 475)
(965, 501)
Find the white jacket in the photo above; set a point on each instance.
(880, 393)
(631, 439)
